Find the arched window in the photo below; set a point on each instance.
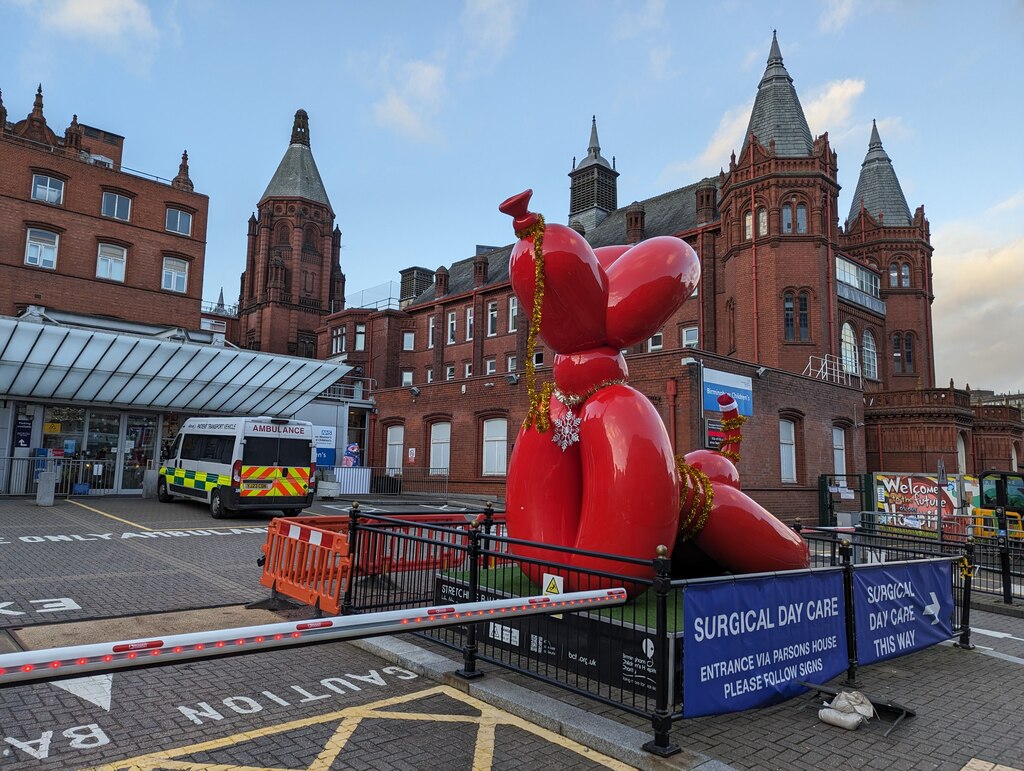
(748, 230)
(440, 447)
(869, 355)
(908, 352)
(904, 275)
(803, 316)
(801, 218)
(839, 452)
(894, 274)
(1014, 460)
(849, 349)
(495, 439)
(897, 353)
(282, 234)
(961, 454)
(789, 316)
(762, 221)
(395, 450)
(787, 449)
(787, 218)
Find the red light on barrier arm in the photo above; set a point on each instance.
(27, 666)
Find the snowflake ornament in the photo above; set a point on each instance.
(567, 430)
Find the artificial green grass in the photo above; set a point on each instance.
(640, 611)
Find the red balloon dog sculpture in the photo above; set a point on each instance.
(593, 466)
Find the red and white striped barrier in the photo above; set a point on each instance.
(76, 660)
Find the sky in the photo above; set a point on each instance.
(424, 116)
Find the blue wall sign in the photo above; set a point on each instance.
(739, 387)
(325, 456)
(901, 608)
(748, 642)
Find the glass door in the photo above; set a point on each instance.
(138, 449)
(101, 451)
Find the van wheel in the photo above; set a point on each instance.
(217, 509)
(161, 491)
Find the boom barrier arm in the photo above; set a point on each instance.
(76, 660)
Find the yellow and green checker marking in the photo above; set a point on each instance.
(194, 480)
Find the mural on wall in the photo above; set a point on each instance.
(593, 467)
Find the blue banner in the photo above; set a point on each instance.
(739, 387)
(901, 608)
(325, 456)
(748, 642)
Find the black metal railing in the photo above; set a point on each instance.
(629, 657)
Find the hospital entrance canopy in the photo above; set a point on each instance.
(42, 358)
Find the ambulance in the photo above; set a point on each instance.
(233, 464)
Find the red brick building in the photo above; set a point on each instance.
(82, 234)
(831, 324)
(292, 277)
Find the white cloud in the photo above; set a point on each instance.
(490, 27)
(835, 15)
(727, 137)
(412, 100)
(979, 299)
(830, 107)
(99, 21)
(659, 58)
(636, 19)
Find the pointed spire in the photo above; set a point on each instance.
(593, 149)
(37, 105)
(219, 307)
(878, 190)
(182, 181)
(777, 114)
(300, 129)
(297, 175)
(775, 54)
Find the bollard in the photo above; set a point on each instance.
(150, 480)
(47, 483)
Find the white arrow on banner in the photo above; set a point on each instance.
(933, 609)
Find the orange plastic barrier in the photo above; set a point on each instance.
(307, 559)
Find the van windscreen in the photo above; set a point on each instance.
(271, 451)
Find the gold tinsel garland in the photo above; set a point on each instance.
(697, 480)
(538, 413)
(574, 400)
(731, 424)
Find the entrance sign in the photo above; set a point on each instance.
(901, 608)
(748, 642)
(739, 387)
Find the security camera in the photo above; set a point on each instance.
(414, 391)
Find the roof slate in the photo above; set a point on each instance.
(878, 188)
(297, 177)
(664, 215)
(777, 113)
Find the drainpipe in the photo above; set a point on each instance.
(670, 390)
(828, 272)
(753, 239)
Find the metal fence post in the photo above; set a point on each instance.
(661, 720)
(1003, 542)
(967, 573)
(846, 551)
(469, 669)
(353, 555)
